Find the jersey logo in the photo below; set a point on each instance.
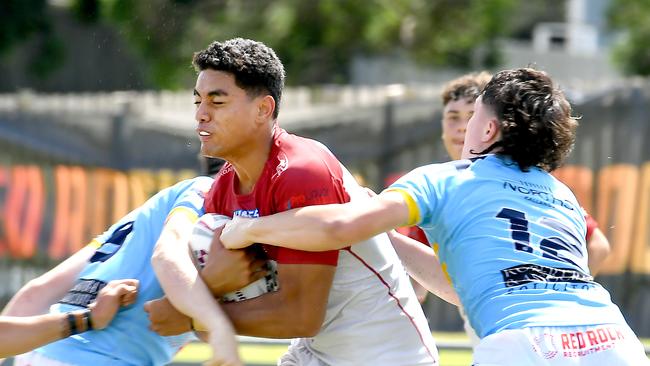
(113, 243)
(247, 213)
(282, 165)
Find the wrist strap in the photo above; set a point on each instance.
(72, 324)
(79, 322)
(87, 315)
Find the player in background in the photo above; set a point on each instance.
(511, 236)
(125, 251)
(339, 305)
(22, 334)
(458, 97)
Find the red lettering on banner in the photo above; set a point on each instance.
(581, 181)
(68, 233)
(24, 211)
(109, 186)
(640, 253)
(617, 187)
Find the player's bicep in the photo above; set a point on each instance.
(401, 206)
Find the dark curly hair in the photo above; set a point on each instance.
(255, 66)
(537, 129)
(467, 86)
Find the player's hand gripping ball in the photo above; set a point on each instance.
(200, 246)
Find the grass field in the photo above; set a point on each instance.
(268, 354)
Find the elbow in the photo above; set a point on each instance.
(159, 259)
(339, 233)
(22, 302)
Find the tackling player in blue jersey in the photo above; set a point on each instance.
(511, 236)
(125, 251)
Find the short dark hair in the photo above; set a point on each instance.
(537, 129)
(254, 65)
(467, 86)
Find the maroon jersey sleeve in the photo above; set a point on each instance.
(311, 183)
(592, 224)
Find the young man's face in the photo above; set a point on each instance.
(480, 134)
(225, 114)
(455, 116)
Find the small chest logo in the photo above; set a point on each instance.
(283, 164)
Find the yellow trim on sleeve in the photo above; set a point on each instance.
(414, 210)
(444, 270)
(95, 244)
(197, 326)
(192, 215)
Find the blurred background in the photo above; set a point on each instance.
(96, 109)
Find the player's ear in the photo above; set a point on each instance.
(265, 108)
(491, 131)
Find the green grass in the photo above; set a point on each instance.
(268, 354)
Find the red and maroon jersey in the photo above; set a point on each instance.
(370, 294)
(299, 172)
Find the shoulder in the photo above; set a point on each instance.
(302, 158)
(440, 171)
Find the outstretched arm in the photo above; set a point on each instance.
(422, 264)
(21, 334)
(38, 294)
(328, 227)
(186, 291)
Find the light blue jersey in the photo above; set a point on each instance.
(125, 252)
(512, 243)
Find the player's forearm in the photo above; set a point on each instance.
(422, 264)
(316, 228)
(182, 284)
(290, 229)
(21, 334)
(275, 318)
(38, 294)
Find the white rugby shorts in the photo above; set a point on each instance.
(590, 345)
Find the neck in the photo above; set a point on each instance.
(250, 164)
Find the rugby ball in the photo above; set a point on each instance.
(202, 234)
